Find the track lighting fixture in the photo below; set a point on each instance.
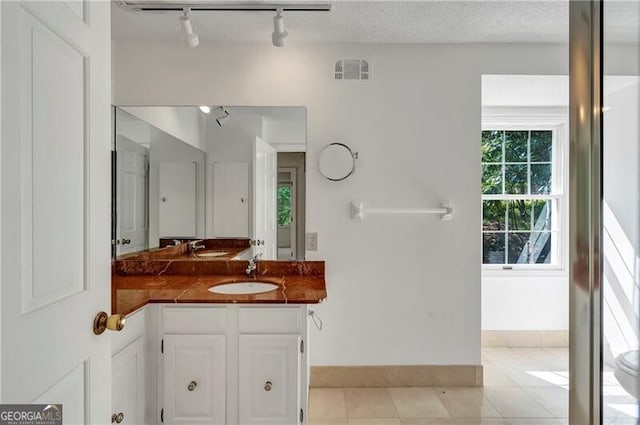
(279, 35)
(224, 117)
(205, 109)
(190, 37)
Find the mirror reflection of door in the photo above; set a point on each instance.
(264, 200)
(177, 206)
(133, 195)
(230, 199)
(286, 198)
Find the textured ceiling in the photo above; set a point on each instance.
(384, 22)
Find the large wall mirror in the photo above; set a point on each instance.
(210, 172)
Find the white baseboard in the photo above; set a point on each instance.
(525, 338)
(396, 376)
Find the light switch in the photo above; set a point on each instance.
(311, 241)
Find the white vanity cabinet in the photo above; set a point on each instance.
(233, 364)
(128, 373)
(269, 379)
(194, 379)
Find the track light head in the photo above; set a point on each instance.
(205, 109)
(279, 35)
(224, 117)
(190, 37)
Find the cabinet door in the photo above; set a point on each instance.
(194, 379)
(127, 384)
(269, 379)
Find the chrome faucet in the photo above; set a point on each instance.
(193, 245)
(252, 266)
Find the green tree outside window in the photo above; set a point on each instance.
(284, 205)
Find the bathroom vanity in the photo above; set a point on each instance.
(191, 355)
(213, 334)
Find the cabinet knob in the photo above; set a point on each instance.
(192, 385)
(103, 321)
(117, 418)
(268, 385)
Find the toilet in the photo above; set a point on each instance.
(626, 372)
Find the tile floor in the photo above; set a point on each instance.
(523, 386)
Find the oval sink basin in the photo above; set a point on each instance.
(243, 288)
(212, 254)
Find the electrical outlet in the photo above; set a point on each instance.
(311, 241)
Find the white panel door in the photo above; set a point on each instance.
(56, 206)
(127, 384)
(177, 209)
(231, 199)
(269, 379)
(133, 196)
(195, 379)
(265, 179)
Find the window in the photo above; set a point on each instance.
(521, 197)
(284, 204)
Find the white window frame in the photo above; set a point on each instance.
(536, 118)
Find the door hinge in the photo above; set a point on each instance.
(302, 346)
(301, 416)
(162, 415)
(162, 346)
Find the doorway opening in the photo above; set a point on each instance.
(525, 276)
(286, 213)
(291, 201)
(524, 228)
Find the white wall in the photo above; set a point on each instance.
(286, 132)
(186, 124)
(400, 290)
(525, 302)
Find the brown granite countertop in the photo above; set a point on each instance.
(224, 249)
(175, 281)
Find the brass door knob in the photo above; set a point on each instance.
(117, 418)
(268, 385)
(102, 322)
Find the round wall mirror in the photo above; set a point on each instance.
(337, 161)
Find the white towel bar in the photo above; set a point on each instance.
(358, 211)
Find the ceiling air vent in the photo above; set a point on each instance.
(352, 69)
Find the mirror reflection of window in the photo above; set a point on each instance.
(284, 204)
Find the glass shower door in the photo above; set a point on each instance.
(620, 382)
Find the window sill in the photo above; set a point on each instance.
(548, 271)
